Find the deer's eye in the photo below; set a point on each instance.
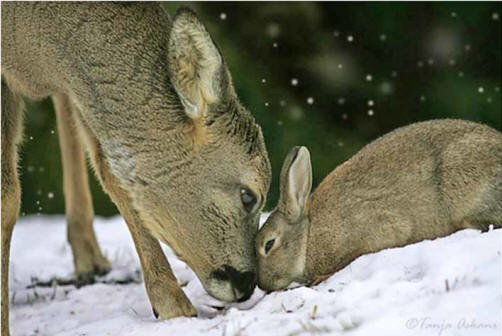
(248, 199)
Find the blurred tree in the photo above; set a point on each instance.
(331, 76)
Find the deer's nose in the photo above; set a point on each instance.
(243, 283)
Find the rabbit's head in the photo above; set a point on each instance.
(281, 244)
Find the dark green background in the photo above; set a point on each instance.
(441, 55)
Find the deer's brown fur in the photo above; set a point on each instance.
(152, 101)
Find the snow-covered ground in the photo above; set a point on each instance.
(449, 286)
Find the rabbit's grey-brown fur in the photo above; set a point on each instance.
(422, 181)
(153, 102)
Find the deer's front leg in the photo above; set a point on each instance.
(166, 296)
(87, 255)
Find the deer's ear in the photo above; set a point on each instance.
(296, 183)
(197, 70)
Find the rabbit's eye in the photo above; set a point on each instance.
(269, 245)
(248, 199)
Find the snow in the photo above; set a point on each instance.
(448, 286)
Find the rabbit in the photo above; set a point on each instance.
(422, 181)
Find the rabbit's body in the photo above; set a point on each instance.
(420, 182)
(423, 181)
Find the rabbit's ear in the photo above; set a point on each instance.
(296, 183)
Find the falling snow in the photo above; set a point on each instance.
(273, 30)
(386, 88)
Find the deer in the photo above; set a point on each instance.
(419, 182)
(151, 100)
